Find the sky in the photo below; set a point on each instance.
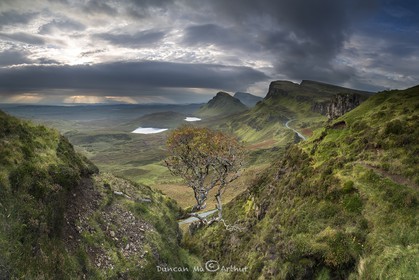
(185, 51)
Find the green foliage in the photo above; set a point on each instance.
(205, 159)
(40, 177)
(341, 205)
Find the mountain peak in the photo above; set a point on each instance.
(222, 104)
(222, 94)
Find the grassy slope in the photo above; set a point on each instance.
(58, 221)
(341, 205)
(266, 120)
(111, 146)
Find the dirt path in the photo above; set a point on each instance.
(393, 177)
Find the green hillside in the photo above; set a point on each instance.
(61, 219)
(341, 205)
(285, 101)
(222, 104)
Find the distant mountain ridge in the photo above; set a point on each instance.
(247, 99)
(221, 105)
(309, 90)
(309, 104)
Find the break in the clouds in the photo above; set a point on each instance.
(183, 50)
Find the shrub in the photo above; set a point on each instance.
(353, 203)
(394, 127)
(348, 187)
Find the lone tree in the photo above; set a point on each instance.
(205, 159)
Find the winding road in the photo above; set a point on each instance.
(298, 133)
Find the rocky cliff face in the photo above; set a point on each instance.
(338, 105)
(320, 107)
(283, 88)
(329, 100)
(341, 104)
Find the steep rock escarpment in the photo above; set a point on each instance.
(339, 105)
(329, 100)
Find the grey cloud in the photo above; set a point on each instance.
(301, 39)
(44, 60)
(207, 34)
(23, 37)
(67, 25)
(14, 17)
(99, 6)
(12, 57)
(88, 53)
(129, 77)
(138, 39)
(305, 36)
(139, 9)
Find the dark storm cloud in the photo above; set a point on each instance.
(304, 36)
(66, 25)
(23, 38)
(208, 34)
(13, 57)
(14, 17)
(346, 42)
(129, 76)
(142, 38)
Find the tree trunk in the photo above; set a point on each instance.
(219, 205)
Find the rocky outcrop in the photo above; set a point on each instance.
(338, 105)
(282, 88)
(320, 107)
(341, 104)
(328, 100)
